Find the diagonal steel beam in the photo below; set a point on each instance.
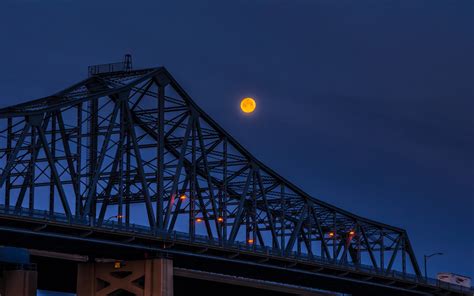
(67, 151)
(103, 152)
(296, 230)
(11, 159)
(34, 154)
(412, 256)
(203, 208)
(141, 171)
(178, 169)
(176, 125)
(268, 211)
(394, 255)
(144, 92)
(178, 205)
(54, 172)
(207, 173)
(110, 184)
(321, 233)
(240, 209)
(369, 249)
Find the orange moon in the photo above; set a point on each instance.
(248, 105)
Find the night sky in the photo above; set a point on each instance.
(367, 105)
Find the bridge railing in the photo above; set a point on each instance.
(107, 68)
(237, 246)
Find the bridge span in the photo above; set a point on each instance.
(124, 180)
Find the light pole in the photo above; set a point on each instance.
(115, 216)
(426, 257)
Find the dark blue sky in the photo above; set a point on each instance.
(367, 105)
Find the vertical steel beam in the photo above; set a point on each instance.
(382, 251)
(404, 259)
(192, 195)
(224, 190)
(92, 161)
(247, 225)
(120, 162)
(9, 153)
(160, 156)
(282, 217)
(32, 171)
(53, 153)
(358, 246)
(334, 229)
(128, 181)
(79, 136)
(253, 207)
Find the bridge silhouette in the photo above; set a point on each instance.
(125, 163)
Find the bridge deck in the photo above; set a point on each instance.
(38, 229)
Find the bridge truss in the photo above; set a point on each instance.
(132, 146)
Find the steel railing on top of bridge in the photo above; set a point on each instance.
(126, 65)
(238, 246)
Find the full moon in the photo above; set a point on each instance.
(248, 105)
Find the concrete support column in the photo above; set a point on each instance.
(19, 283)
(150, 277)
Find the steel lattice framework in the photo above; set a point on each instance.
(134, 145)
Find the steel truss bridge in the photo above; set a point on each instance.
(126, 160)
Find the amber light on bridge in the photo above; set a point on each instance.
(220, 219)
(250, 241)
(183, 197)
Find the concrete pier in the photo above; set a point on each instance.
(150, 277)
